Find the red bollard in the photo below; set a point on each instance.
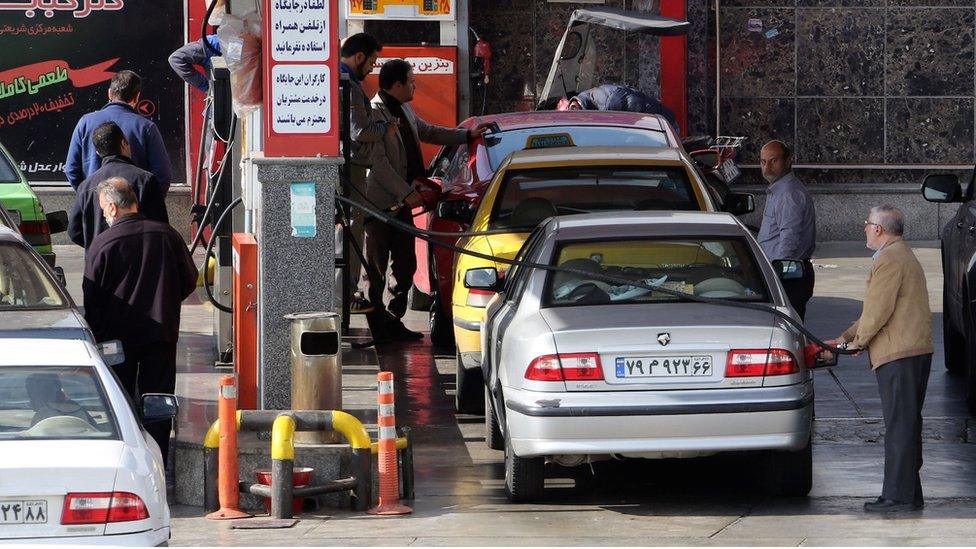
(227, 453)
(387, 465)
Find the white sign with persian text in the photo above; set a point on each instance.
(300, 99)
(300, 30)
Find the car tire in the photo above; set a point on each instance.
(969, 355)
(469, 396)
(441, 331)
(493, 433)
(953, 342)
(790, 473)
(525, 478)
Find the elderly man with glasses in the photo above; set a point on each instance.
(895, 327)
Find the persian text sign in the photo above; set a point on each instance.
(301, 78)
(56, 64)
(78, 8)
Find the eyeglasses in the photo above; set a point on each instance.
(866, 223)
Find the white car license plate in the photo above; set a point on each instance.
(23, 512)
(663, 366)
(730, 171)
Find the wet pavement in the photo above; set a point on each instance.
(709, 501)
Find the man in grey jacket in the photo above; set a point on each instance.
(357, 57)
(397, 161)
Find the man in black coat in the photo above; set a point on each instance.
(137, 273)
(86, 220)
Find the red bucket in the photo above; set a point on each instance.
(301, 476)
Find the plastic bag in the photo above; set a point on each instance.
(240, 44)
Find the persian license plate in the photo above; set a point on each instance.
(730, 171)
(663, 366)
(23, 512)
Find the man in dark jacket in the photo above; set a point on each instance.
(137, 273)
(147, 148)
(614, 97)
(86, 219)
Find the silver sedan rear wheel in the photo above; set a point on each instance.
(524, 477)
(790, 473)
(493, 434)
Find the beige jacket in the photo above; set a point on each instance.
(386, 183)
(364, 130)
(896, 321)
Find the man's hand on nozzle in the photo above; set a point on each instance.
(478, 130)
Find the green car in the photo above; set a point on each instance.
(17, 197)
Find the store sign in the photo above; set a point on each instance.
(56, 64)
(301, 78)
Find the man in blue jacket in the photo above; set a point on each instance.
(185, 61)
(145, 140)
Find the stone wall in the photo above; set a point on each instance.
(851, 82)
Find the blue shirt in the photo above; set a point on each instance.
(789, 223)
(145, 140)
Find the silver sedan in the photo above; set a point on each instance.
(580, 369)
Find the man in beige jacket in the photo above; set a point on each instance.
(896, 328)
(397, 161)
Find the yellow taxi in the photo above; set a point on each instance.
(553, 177)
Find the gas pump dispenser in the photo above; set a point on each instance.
(443, 84)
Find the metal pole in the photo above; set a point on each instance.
(282, 488)
(344, 211)
(363, 466)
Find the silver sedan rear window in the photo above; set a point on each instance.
(718, 268)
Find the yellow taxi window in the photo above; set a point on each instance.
(718, 268)
(528, 197)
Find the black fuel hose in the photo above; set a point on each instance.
(203, 31)
(206, 260)
(426, 236)
(217, 180)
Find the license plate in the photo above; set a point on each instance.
(730, 171)
(663, 366)
(23, 512)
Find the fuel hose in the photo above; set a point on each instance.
(206, 261)
(428, 236)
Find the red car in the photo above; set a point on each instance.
(464, 171)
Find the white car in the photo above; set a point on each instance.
(76, 466)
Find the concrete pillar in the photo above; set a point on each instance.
(296, 273)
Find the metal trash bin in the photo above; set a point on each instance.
(316, 368)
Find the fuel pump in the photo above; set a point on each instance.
(482, 73)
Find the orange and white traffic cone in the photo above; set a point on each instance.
(227, 453)
(387, 465)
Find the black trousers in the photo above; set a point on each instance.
(902, 384)
(388, 246)
(150, 369)
(800, 291)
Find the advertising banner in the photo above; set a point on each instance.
(57, 59)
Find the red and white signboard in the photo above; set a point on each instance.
(301, 78)
(436, 97)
